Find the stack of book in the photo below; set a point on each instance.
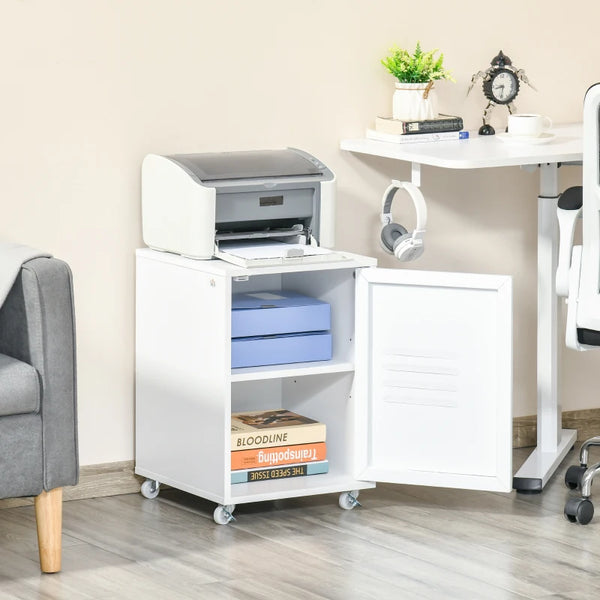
(276, 444)
(444, 127)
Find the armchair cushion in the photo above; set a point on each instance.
(19, 387)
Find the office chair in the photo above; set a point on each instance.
(578, 278)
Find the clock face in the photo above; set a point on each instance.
(502, 87)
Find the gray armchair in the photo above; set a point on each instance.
(38, 421)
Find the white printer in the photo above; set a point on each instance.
(199, 205)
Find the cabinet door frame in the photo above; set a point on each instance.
(489, 299)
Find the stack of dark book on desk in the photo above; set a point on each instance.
(443, 127)
(276, 444)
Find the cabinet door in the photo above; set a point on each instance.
(433, 385)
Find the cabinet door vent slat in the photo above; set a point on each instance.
(423, 378)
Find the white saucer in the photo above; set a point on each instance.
(544, 138)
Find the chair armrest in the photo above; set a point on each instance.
(37, 326)
(569, 209)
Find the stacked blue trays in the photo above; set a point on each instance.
(279, 327)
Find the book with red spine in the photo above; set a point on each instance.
(279, 455)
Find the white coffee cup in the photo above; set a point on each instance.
(528, 125)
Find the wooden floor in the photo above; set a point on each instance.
(404, 542)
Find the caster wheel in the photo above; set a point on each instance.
(348, 500)
(223, 514)
(579, 510)
(150, 489)
(573, 477)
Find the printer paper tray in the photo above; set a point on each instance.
(274, 253)
(256, 235)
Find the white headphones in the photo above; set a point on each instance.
(395, 238)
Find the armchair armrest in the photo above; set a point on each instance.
(37, 326)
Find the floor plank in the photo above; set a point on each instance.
(404, 542)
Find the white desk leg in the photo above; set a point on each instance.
(415, 173)
(553, 442)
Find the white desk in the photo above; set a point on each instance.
(478, 152)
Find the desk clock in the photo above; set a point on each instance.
(501, 83)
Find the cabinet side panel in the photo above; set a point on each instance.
(182, 376)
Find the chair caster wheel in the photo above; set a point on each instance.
(573, 477)
(579, 510)
(223, 514)
(150, 489)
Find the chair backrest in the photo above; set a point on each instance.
(588, 313)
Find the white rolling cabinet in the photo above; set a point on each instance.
(419, 388)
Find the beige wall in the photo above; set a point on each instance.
(87, 88)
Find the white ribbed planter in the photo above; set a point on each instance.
(409, 103)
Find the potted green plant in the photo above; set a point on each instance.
(416, 73)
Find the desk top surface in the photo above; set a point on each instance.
(479, 151)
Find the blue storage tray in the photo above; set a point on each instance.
(277, 312)
(280, 349)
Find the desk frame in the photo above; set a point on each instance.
(553, 442)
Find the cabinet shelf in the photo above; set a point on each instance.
(287, 370)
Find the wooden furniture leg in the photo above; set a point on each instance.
(48, 514)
